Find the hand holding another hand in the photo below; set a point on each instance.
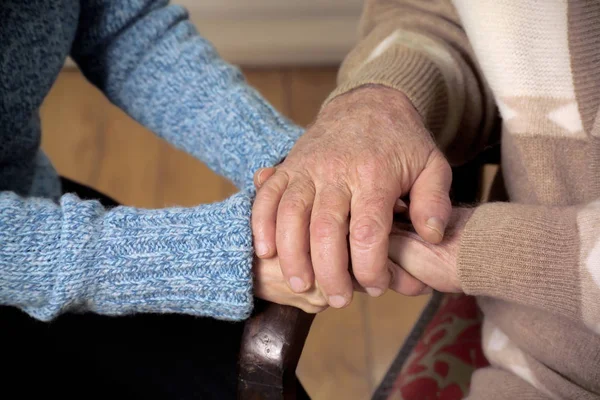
(415, 265)
(270, 285)
(333, 197)
(435, 265)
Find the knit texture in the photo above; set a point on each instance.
(149, 60)
(533, 262)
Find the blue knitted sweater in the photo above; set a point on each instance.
(60, 254)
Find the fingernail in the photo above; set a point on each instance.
(374, 291)
(337, 301)
(437, 225)
(297, 284)
(261, 249)
(259, 180)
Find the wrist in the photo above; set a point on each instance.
(387, 97)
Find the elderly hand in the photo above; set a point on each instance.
(366, 149)
(435, 265)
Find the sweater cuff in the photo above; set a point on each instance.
(194, 261)
(523, 254)
(410, 71)
(265, 139)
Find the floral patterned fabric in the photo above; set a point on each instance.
(447, 351)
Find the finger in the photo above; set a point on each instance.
(261, 176)
(293, 246)
(355, 285)
(316, 297)
(404, 283)
(417, 258)
(430, 206)
(329, 246)
(264, 214)
(357, 288)
(370, 226)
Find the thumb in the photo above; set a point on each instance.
(430, 206)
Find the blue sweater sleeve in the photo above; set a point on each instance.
(149, 60)
(77, 256)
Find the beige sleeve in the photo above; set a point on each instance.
(420, 48)
(545, 257)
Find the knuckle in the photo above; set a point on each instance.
(298, 198)
(367, 232)
(325, 227)
(294, 205)
(269, 191)
(439, 165)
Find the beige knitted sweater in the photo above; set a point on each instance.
(535, 261)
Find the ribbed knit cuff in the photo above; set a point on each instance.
(195, 261)
(523, 254)
(414, 74)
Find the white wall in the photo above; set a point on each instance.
(261, 8)
(266, 32)
(276, 32)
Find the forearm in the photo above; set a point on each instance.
(545, 257)
(149, 60)
(79, 256)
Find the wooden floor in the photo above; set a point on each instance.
(349, 350)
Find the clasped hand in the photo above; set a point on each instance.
(330, 204)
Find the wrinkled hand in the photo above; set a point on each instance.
(366, 149)
(435, 265)
(270, 285)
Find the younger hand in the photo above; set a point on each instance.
(433, 264)
(270, 285)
